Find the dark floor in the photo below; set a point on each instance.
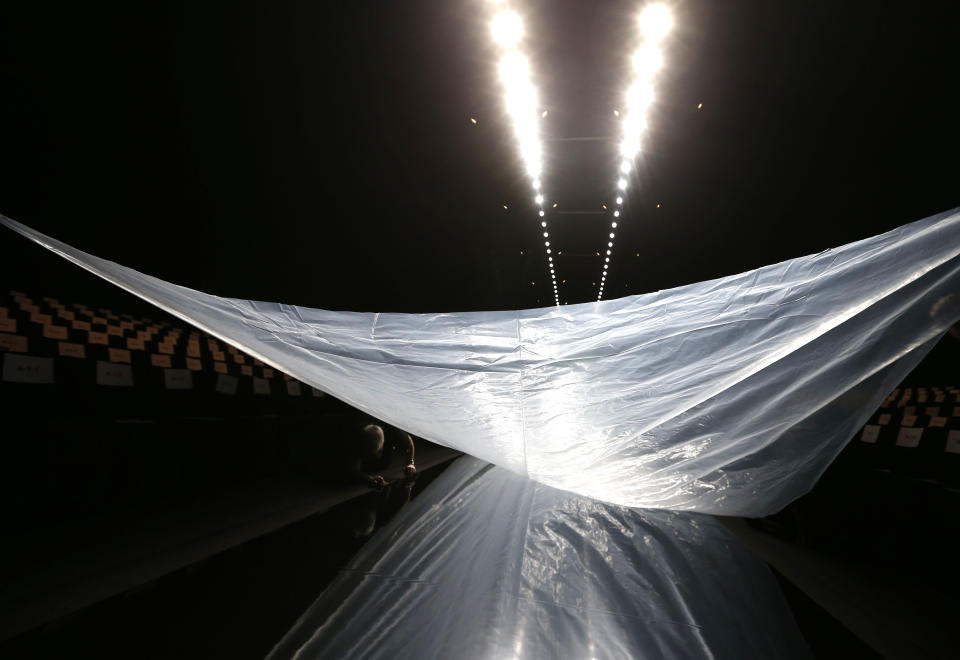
(236, 604)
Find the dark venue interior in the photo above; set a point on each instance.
(166, 495)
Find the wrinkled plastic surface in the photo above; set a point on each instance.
(728, 396)
(487, 564)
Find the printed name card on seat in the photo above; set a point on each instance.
(13, 343)
(114, 375)
(177, 379)
(94, 337)
(909, 437)
(953, 442)
(52, 331)
(68, 349)
(227, 384)
(870, 433)
(119, 355)
(27, 369)
(42, 319)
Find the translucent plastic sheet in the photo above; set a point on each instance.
(487, 564)
(728, 396)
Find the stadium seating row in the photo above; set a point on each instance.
(45, 341)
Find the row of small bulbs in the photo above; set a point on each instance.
(655, 22)
(522, 107)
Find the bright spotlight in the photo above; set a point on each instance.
(507, 28)
(619, 200)
(616, 214)
(543, 224)
(613, 224)
(629, 148)
(655, 22)
(647, 61)
(611, 235)
(622, 184)
(639, 97)
(541, 214)
(536, 184)
(539, 199)
(514, 68)
(625, 167)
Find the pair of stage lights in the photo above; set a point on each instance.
(655, 22)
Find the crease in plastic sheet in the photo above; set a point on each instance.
(487, 564)
(728, 396)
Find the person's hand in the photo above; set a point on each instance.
(378, 481)
(410, 470)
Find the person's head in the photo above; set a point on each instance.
(373, 440)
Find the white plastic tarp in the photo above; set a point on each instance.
(729, 396)
(487, 564)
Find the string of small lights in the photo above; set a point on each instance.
(522, 107)
(654, 24)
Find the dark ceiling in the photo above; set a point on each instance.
(323, 154)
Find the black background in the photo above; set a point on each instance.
(322, 154)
